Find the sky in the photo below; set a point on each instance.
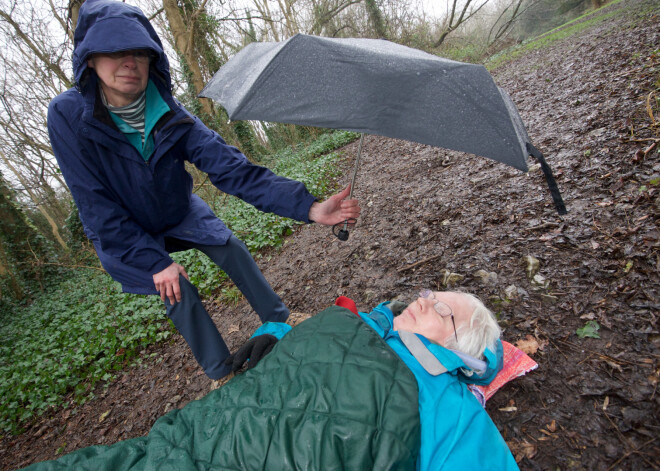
(432, 7)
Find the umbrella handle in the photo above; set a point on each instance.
(342, 234)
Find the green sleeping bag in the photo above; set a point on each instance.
(331, 395)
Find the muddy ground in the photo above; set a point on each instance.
(593, 402)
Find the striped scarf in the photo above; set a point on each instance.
(132, 114)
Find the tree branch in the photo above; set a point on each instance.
(28, 42)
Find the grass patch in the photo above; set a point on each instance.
(584, 22)
(83, 330)
(470, 53)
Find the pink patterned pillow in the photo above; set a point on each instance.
(516, 363)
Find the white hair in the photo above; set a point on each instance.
(481, 332)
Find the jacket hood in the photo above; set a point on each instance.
(109, 26)
(468, 369)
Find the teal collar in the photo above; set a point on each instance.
(154, 109)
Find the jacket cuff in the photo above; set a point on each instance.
(305, 206)
(278, 329)
(162, 265)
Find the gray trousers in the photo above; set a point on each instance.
(195, 324)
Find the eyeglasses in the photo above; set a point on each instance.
(441, 308)
(140, 55)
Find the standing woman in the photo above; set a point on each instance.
(121, 141)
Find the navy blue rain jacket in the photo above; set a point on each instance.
(133, 210)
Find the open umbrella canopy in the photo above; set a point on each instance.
(377, 87)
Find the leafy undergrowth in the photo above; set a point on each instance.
(85, 330)
(81, 332)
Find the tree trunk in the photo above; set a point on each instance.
(453, 22)
(74, 9)
(376, 19)
(184, 44)
(36, 200)
(20, 251)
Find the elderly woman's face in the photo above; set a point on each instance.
(420, 317)
(124, 75)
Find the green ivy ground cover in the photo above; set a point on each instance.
(84, 329)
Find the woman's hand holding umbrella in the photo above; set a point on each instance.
(335, 209)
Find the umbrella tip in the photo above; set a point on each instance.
(341, 234)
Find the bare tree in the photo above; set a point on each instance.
(32, 73)
(511, 13)
(458, 16)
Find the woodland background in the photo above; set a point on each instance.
(64, 325)
(39, 229)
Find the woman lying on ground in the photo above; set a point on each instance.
(338, 391)
(448, 340)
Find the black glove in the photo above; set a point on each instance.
(252, 351)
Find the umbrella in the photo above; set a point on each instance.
(377, 87)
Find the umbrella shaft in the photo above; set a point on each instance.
(357, 163)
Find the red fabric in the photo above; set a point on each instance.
(516, 363)
(348, 303)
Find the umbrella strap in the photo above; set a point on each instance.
(552, 183)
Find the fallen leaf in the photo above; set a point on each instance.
(552, 427)
(590, 329)
(104, 415)
(529, 345)
(653, 378)
(508, 409)
(606, 402)
(233, 328)
(615, 366)
(523, 450)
